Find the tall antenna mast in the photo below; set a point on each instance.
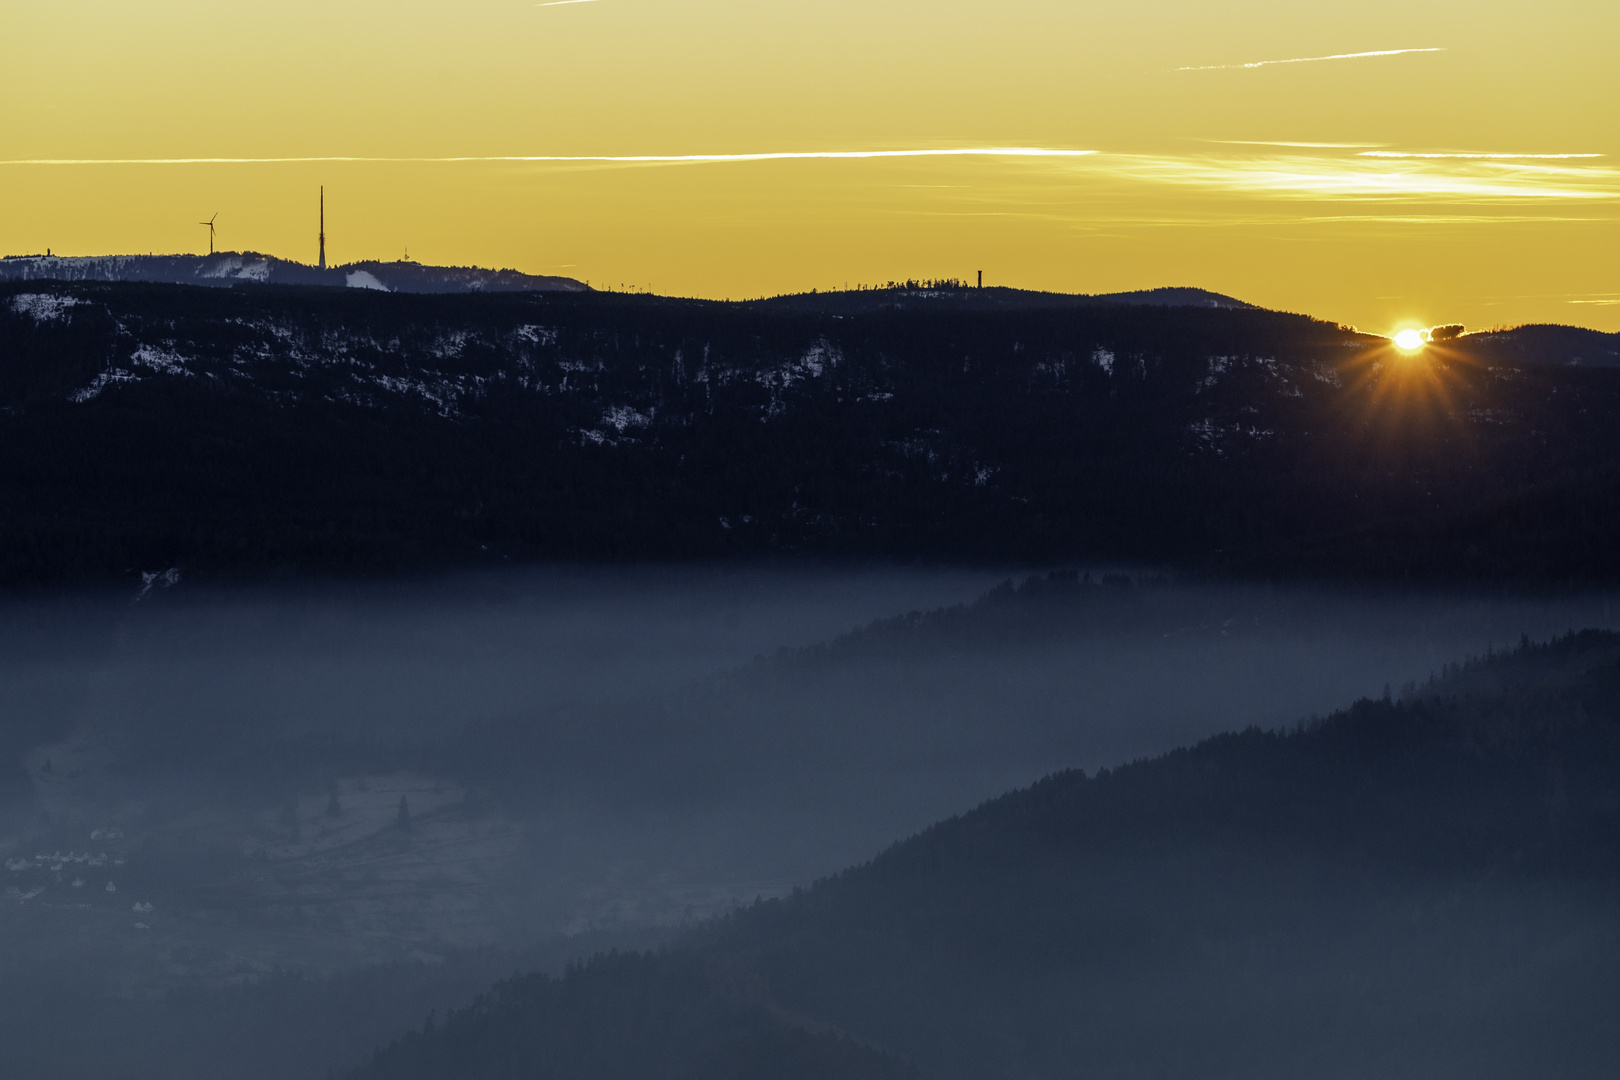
(323, 226)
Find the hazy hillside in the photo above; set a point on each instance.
(250, 431)
(1423, 887)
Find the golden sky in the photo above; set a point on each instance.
(1339, 187)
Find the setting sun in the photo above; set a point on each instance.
(1409, 340)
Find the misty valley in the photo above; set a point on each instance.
(263, 831)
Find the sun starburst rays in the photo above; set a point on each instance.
(1404, 399)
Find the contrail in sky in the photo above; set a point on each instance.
(560, 3)
(1306, 59)
(628, 159)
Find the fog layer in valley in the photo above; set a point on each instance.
(204, 787)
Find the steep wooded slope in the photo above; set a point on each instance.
(1425, 887)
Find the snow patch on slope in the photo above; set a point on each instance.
(620, 417)
(42, 307)
(167, 362)
(240, 269)
(100, 383)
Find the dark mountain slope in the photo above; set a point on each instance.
(247, 431)
(1429, 887)
(1540, 343)
(634, 1017)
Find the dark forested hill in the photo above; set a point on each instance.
(1427, 887)
(959, 296)
(265, 428)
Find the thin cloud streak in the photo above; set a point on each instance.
(1090, 219)
(1476, 157)
(624, 159)
(560, 3)
(1365, 176)
(1307, 59)
(1299, 176)
(1293, 145)
(1445, 219)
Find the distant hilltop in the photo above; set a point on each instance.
(965, 295)
(227, 268)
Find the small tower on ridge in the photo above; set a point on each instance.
(323, 226)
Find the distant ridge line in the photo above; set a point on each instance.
(229, 268)
(968, 297)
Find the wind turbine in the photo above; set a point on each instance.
(210, 224)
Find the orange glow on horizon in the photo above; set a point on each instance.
(727, 149)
